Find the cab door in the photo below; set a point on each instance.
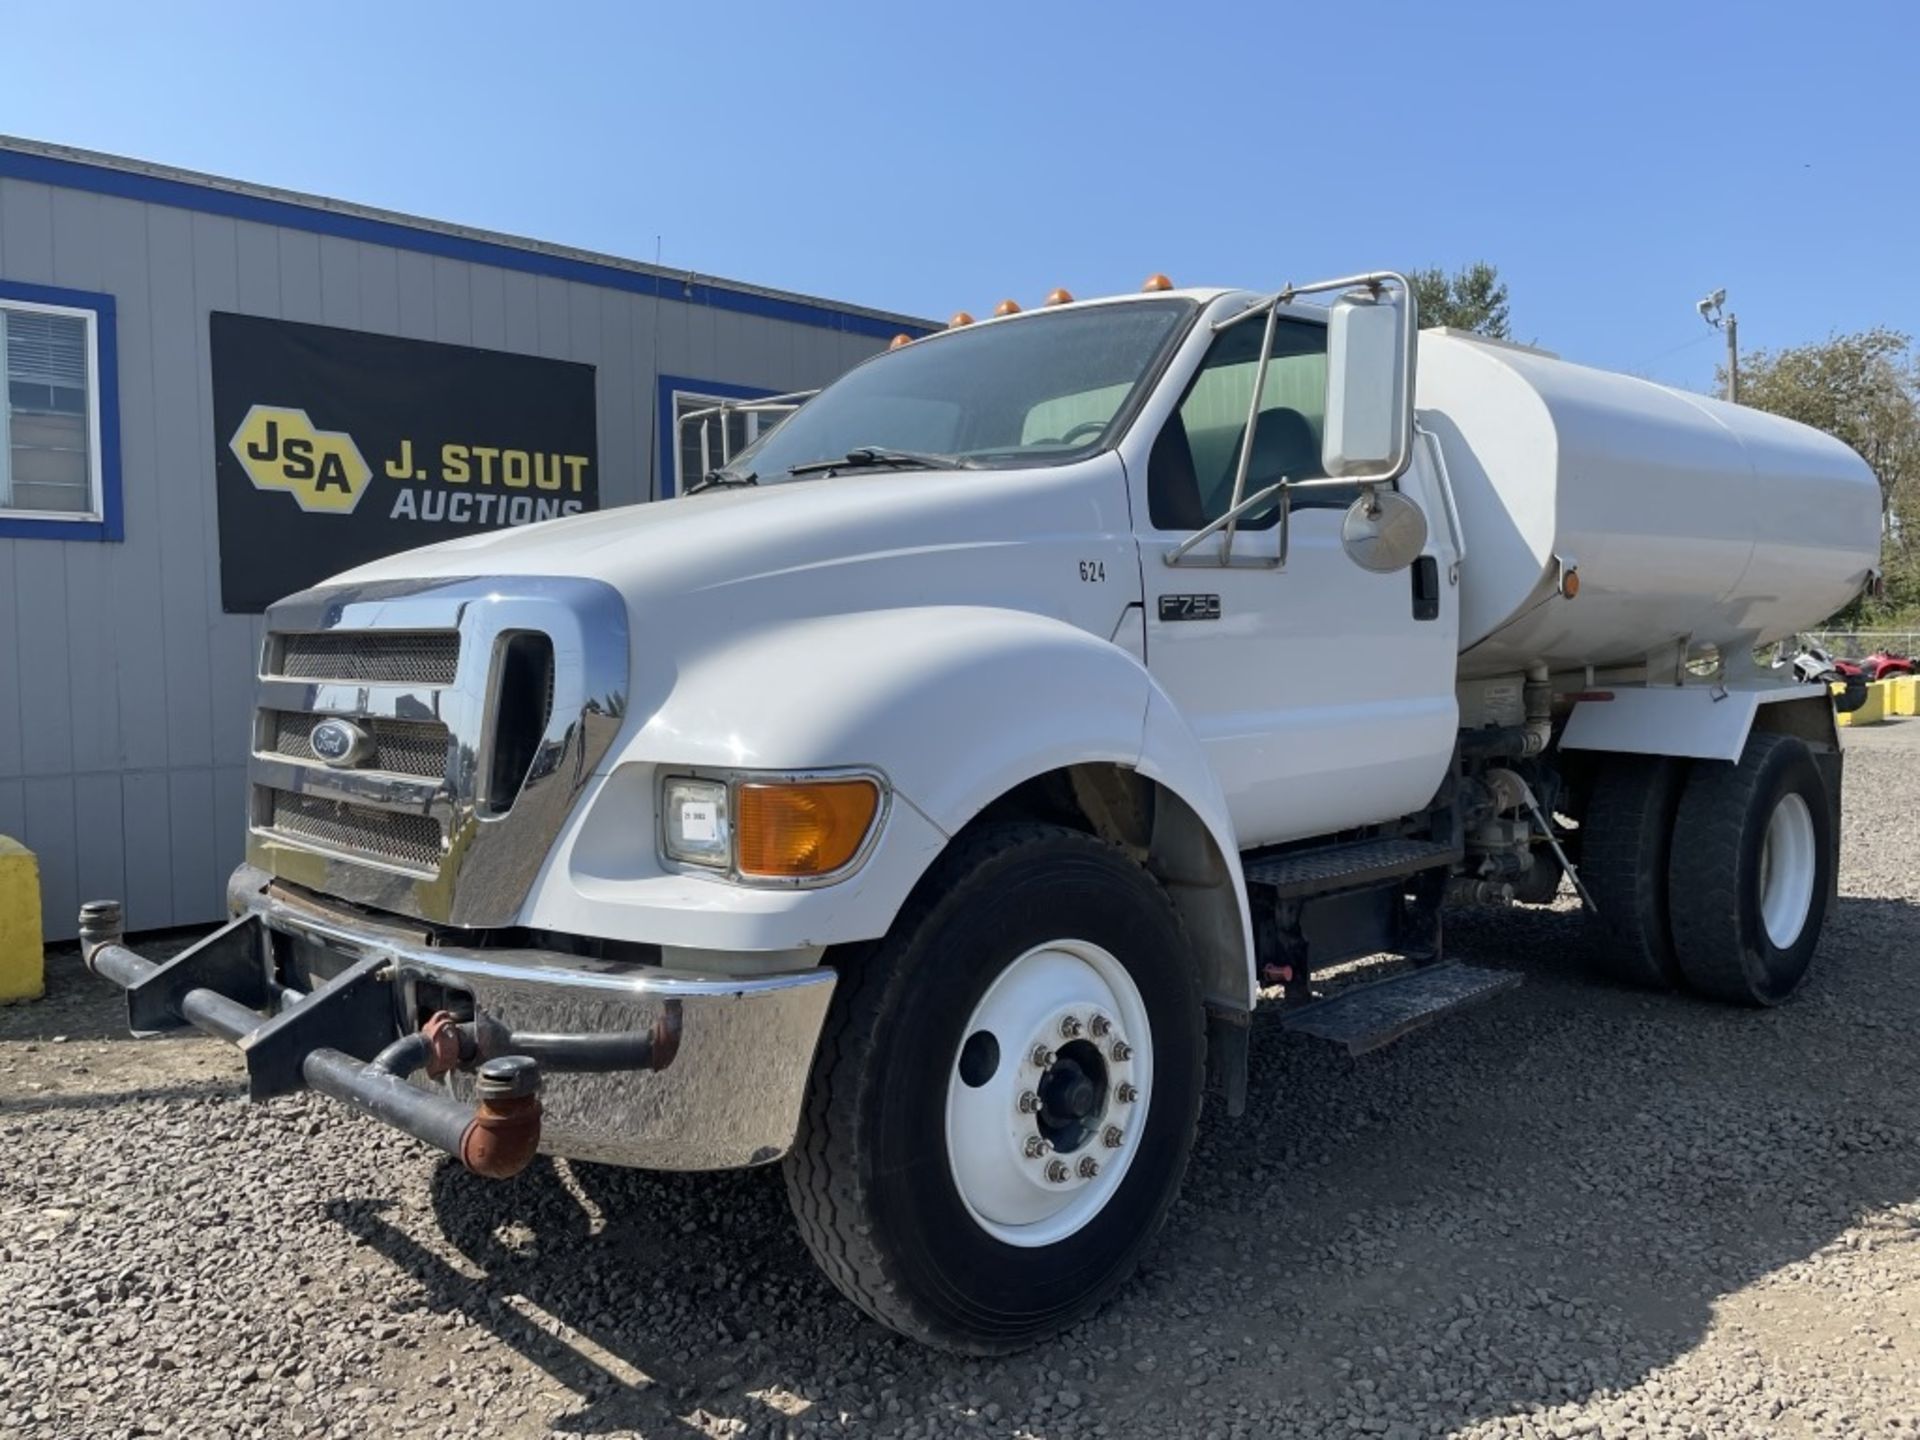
(1323, 693)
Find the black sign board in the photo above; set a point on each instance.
(335, 447)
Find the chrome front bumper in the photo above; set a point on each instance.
(728, 1094)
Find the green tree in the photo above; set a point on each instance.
(1474, 297)
(1864, 389)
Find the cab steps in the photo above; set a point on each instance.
(1354, 865)
(1365, 1017)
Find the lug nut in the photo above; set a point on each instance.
(1042, 1057)
(1089, 1167)
(1114, 1137)
(1122, 1050)
(1057, 1172)
(1035, 1147)
(1070, 1026)
(1127, 1094)
(1029, 1102)
(1100, 1026)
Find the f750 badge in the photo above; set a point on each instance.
(1189, 607)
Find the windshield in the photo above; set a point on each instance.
(1039, 390)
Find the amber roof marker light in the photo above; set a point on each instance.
(1007, 307)
(1059, 295)
(960, 317)
(901, 339)
(1156, 281)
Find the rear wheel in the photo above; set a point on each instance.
(1626, 837)
(1753, 863)
(1006, 1094)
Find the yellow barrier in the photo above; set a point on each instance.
(1903, 695)
(23, 964)
(1872, 712)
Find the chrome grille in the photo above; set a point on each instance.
(376, 657)
(451, 810)
(401, 747)
(412, 840)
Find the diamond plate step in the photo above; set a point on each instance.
(1352, 866)
(1368, 1016)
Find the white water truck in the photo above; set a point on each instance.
(926, 801)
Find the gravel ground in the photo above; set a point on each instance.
(1577, 1211)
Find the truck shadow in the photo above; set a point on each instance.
(1537, 1204)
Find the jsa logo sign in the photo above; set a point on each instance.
(322, 469)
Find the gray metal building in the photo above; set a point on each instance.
(125, 682)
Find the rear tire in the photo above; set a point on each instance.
(1753, 864)
(1626, 838)
(919, 1181)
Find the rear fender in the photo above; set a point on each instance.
(1697, 722)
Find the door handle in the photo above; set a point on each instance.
(1426, 588)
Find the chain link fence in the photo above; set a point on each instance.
(1858, 644)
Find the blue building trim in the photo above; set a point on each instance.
(107, 379)
(184, 195)
(663, 412)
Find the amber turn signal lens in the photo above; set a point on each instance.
(1157, 281)
(804, 829)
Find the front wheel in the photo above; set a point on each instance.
(1006, 1094)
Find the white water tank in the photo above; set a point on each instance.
(1687, 517)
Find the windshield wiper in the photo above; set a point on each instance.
(874, 457)
(722, 480)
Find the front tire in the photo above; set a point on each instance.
(1752, 866)
(1006, 1093)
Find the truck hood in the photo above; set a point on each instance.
(735, 557)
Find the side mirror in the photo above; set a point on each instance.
(1369, 426)
(1383, 531)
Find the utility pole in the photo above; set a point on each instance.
(1733, 358)
(1713, 310)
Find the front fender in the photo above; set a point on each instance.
(954, 704)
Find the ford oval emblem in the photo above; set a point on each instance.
(339, 742)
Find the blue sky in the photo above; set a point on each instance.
(1617, 160)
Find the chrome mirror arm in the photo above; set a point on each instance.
(1245, 462)
(1179, 553)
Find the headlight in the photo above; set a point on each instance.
(697, 829)
(774, 829)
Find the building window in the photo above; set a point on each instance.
(707, 443)
(678, 456)
(58, 461)
(47, 453)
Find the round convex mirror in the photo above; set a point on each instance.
(1384, 531)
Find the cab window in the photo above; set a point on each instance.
(1069, 420)
(1190, 473)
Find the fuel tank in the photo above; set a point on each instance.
(1688, 518)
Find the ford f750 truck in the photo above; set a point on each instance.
(926, 801)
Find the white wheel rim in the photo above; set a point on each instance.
(1787, 871)
(1034, 1177)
